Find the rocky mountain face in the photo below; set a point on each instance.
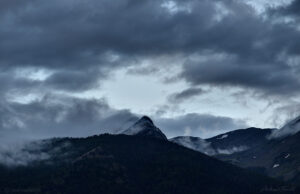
(145, 127)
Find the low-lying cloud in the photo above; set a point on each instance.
(292, 127)
(57, 116)
(231, 150)
(195, 143)
(20, 154)
(23, 153)
(203, 146)
(199, 125)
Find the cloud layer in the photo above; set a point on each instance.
(57, 116)
(52, 50)
(225, 43)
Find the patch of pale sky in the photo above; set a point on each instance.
(262, 5)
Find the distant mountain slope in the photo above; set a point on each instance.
(275, 153)
(253, 148)
(227, 143)
(278, 158)
(129, 164)
(145, 127)
(247, 138)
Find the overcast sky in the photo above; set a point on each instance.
(197, 67)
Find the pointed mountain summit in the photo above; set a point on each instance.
(145, 127)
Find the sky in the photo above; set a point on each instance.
(196, 67)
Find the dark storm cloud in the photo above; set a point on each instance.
(74, 33)
(61, 116)
(274, 79)
(73, 80)
(293, 9)
(252, 54)
(84, 36)
(201, 125)
(186, 94)
(10, 82)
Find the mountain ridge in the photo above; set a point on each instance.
(276, 157)
(132, 164)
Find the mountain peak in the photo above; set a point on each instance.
(146, 119)
(145, 127)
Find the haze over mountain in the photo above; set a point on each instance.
(291, 128)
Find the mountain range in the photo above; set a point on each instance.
(142, 160)
(263, 151)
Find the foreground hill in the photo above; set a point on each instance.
(129, 164)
